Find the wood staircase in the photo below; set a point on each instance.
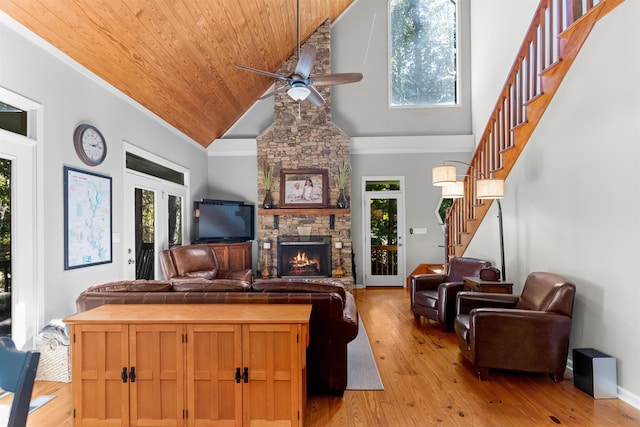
(557, 32)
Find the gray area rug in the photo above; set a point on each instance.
(362, 372)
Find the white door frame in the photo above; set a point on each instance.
(27, 252)
(366, 242)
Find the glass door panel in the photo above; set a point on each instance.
(384, 239)
(145, 226)
(5, 247)
(174, 216)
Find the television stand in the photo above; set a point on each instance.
(232, 255)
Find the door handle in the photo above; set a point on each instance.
(245, 375)
(124, 374)
(132, 374)
(238, 376)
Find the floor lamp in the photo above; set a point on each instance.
(486, 189)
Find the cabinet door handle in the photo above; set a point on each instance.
(245, 375)
(124, 374)
(238, 375)
(132, 374)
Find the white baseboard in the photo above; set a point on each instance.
(623, 394)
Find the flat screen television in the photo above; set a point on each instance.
(224, 221)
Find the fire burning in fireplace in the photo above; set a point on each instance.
(310, 257)
(301, 265)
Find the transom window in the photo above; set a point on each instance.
(13, 119)
(424, 57)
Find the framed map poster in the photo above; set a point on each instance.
(87, 219)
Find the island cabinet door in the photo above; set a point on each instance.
(156, 375)
(272, 394)
(100, 360)
(214, 375)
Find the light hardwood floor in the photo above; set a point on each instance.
(427, 383)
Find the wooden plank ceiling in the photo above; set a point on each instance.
(177, 57)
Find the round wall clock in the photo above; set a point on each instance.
(89, 144)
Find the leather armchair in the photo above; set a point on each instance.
(434, 295)
(527, 332)
(197, 262)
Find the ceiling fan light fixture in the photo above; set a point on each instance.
(299, 93)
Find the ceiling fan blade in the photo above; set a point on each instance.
(314, 96)
(265, 73)
(273, 92)
(336, 79)
(305, 62)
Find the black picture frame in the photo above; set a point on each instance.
(87, 219)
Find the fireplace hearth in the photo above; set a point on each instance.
(304, 256)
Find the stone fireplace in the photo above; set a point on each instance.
(304, 137)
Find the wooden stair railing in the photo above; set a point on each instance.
(556, 34)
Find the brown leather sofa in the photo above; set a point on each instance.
(527, 332)
(333, 323)
(197, 262)
(434, 295)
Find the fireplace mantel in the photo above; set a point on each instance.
(305, 211)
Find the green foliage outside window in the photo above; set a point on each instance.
(384, 222)
(445, 204)
(5, 223)
(423, 52)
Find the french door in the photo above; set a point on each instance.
(384, 241)
(154, 221)
(18, 242)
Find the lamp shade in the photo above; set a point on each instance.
(443, 175)
(490, 189)
(453, 191)
(299, 93)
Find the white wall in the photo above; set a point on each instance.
(493, 52)
(69, 96)
(572, 199)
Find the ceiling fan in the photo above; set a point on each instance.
(300, 85)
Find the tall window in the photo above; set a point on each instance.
(424, 55)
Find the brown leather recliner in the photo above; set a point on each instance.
(199, 262)
(528, 332)
(434, 295)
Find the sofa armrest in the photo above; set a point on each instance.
(350, 317)
(421, 282)
(243, 275)
(467, 301)
(447, 293)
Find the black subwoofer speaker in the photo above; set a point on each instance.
(595, 373)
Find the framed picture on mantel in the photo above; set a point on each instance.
(303, 188)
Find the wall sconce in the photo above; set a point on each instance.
(490, 188)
